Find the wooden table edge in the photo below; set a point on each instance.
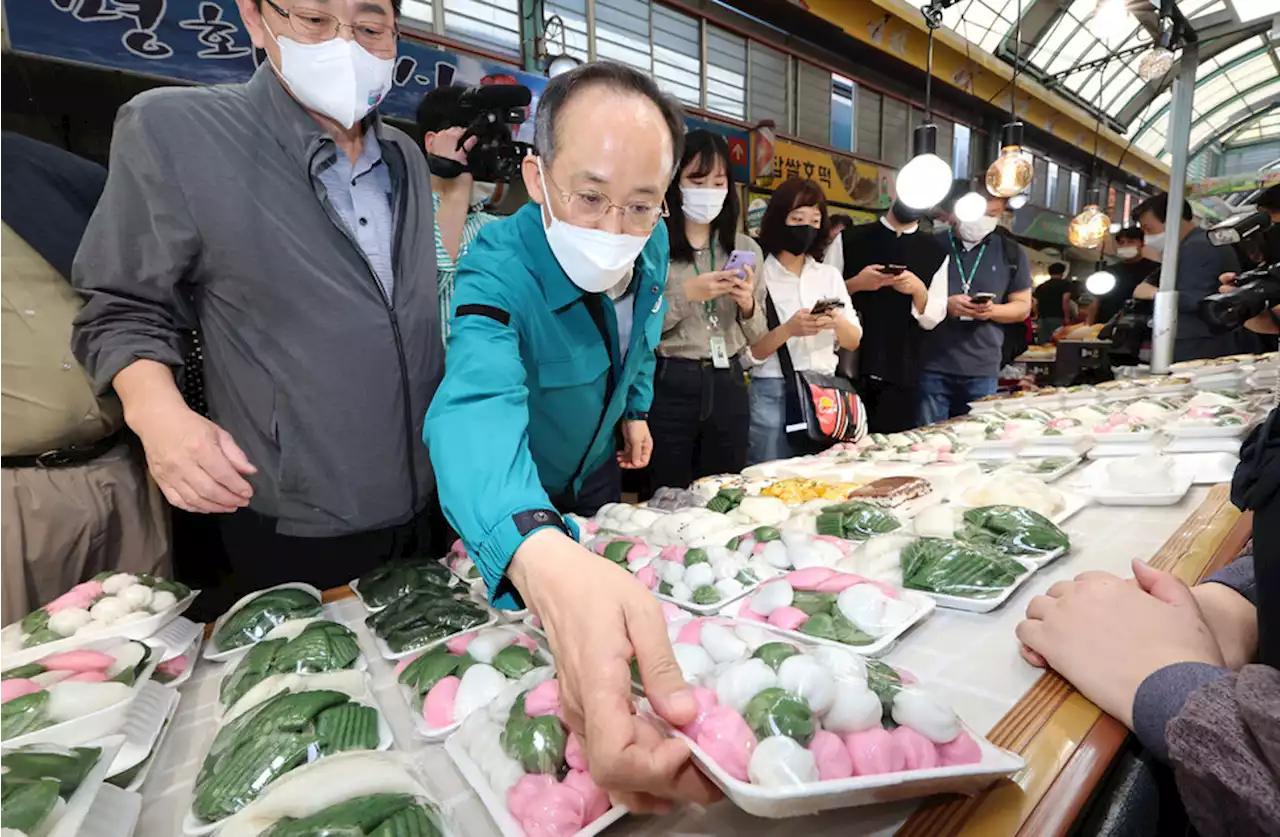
(1045, 803)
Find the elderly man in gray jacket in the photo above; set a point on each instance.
(294, 228)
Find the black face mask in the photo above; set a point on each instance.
(906, 214)
(798, 238)
(445, 167)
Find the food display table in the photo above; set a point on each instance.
(971, 659)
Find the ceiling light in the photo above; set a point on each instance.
(1089, 228)
(1155, 64)
(1018, 201)
(970, 207)
(926, 178)
(1100, 283)
(561, 64)
(1012, 171)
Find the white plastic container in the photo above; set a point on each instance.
(923, 603)
(68, 821)
(211, 651)
(985, 605)
(142, 726)
(114, 813)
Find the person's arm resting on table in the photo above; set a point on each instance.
(136, 252)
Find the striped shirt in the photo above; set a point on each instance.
(446, 267)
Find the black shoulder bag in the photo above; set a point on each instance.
(825, 408)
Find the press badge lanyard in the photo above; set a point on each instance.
(966, 282)
(719, 349)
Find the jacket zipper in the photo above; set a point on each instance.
(388, 304)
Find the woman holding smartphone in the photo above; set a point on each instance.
(715, 308)
(811, 317)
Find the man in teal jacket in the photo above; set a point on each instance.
(557, 311)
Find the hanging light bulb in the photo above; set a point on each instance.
(1100, 282)
(970, 207)
(1110, 19)
(926, 178)
(1019, 200)
(1089, 228)
(1159, 60)
(1012, 171)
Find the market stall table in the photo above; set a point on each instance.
(970, 659)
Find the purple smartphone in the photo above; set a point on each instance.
(739, 259)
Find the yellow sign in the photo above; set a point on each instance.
(843, 179)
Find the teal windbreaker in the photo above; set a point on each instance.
(515, 420)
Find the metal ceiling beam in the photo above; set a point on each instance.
(1239, 116)
(1248, 117)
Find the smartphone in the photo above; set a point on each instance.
(822, 306)
(983, 298)
(893, 269)
(739, 259)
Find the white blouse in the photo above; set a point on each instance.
(790, 293)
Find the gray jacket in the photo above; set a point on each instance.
(214, 213)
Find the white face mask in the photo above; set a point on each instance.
(482, 193)
(702, 206)
(338, 78)
(1128, 252)
(594, 260)
(971, 232)
(1155, 241)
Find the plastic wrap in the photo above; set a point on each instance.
(320, 646)
(372, 815)
(254, 619)
(1013, 530)
(855, 521)
(953, 568)
(24, 714)
(36, 779)
(381, 586)
(424, 616)
(266, 742)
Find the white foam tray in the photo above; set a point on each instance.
(288, 630)
(1207, 468)
(193, 657)
(856, 791)
(142, 726)
(985, 605)
(924, 606)
(68, 821)
(176, 637)
(1022, 469)
(497, 806)
(1178, 430)
(1072, 503)
(11, 636)
(211, 652)
(106, 721)
(140, 778)
(114, 813)
(1105, 494)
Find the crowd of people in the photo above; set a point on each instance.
(376, 343)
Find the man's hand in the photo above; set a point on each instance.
(804, 324)
(1227, 283)
(638, 445)
(870, 278)
(196, 463)
(1106, 635)
(445, 144)
(908, 283)
(597, 617)
(961, 305)
(711, 285)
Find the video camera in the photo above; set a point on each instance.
(1255, 290)
(489, 113)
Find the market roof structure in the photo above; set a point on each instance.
(1091, 52)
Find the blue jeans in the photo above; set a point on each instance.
(944, 396)
(767, 440)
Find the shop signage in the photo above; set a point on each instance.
(844, 180)
(1041, 225)
(203, 41)
(738, 145)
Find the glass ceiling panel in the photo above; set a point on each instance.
(1264, 128)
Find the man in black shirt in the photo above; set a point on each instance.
(1052, 302)
(897, 279)
(1130, 272)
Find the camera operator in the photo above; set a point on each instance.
(1200, 264)
(1268, 247)
(459, 198)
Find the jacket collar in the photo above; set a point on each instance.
(288, 121)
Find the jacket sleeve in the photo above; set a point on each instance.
(135, 255)
(657, 257)
(1224, 745)
(477, 433)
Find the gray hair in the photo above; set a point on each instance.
(609, 74)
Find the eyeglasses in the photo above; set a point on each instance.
(313, 27)
(586, 207)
